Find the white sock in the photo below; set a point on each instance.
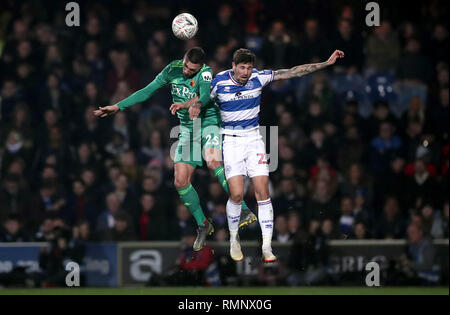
(265, 217)
(233, 217)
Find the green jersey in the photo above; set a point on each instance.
(182, 89)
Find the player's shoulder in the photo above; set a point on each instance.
(206, 68)
(263, 72)
(206, 73)
(222, 76)
(176, 64)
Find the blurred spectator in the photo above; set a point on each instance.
(129, 167)
(15, 148)
(180, 223)
(437, 115)
(124, 191)
(415, 112)
(349, 41)
(362, 212)
(383, 147)
(383, 49)
(154, 149)
(122, 69)
(352, 148)
(380, 114)
(281, 230)
(323, 171)
(422, 187)
(328, 229)
(21, 122)
(12, 231)
(390, 224)
(322, 203)
(53, 260)
(360, 231)
(14, 199)
(84, 158)
(219, 216)
(313, 47)
(272, 274)
(288, 197)
(225, 25)
(117, 145)
(438, 47)
(414, 67)
(82, 233)
(149, 221)
(11, 95)
(80, 206)
(51, 198)
(295, 225)
(221, 235)
(357, 182)
(193, 268)
(308, 258)
(106, 219)
(46, 231)
(346, 220)
(417, 264)
(431, 222)
(279, 50)
(122, 231)
(54, 97)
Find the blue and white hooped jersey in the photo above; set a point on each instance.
(239, 104)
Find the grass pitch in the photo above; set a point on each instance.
(233, 291)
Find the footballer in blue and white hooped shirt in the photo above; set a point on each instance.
(237, 92)
(239, 103)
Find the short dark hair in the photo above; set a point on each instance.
(243, 55)
(196, 55)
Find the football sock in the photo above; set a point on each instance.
(265, 217)
(190, 199)
(233, 216)
(219, 172)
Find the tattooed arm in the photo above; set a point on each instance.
(302, 70)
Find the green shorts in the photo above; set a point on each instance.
(191, 146)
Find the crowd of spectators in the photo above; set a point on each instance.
(362, 146)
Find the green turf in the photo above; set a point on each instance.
(235, 291)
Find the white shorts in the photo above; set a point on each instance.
(245, 155)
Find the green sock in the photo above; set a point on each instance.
(190, 199)
(219, 172)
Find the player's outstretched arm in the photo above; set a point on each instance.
(302, 70)
(106, 110)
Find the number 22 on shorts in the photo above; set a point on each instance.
(261, 158)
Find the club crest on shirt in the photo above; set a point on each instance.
(192, 83)
(250, 85)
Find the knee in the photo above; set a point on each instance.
(262, 194)
(237, 197)
(181, 182)
(212, 165)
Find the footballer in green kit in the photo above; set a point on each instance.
(190, 80)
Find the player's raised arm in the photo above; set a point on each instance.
(302, 70)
